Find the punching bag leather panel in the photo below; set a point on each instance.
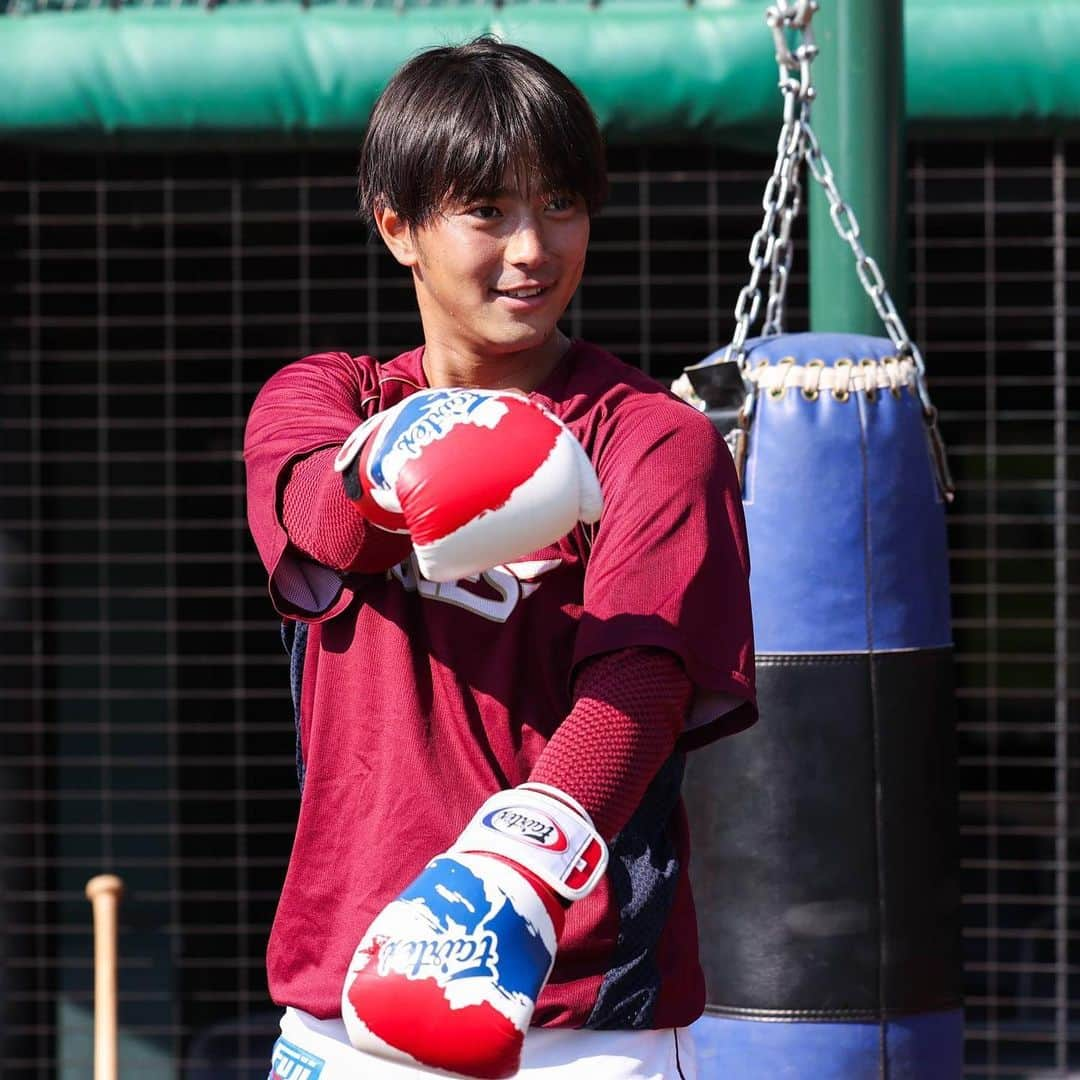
(920, 830)
(815, 900)
(846, 528)
(908, 571)
(779, 894)
(928, 1046)
(803, 576)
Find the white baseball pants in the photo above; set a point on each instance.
(311, 1049)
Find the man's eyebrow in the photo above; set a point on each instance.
(498, 193)
(505, 192)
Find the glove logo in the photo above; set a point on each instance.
(433, 418)
(465, 951)
(528, 826)
(443, 958)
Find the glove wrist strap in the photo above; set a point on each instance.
(548, 834)
(357, 437)
(350, 460)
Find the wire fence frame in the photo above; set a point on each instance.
(992, 236)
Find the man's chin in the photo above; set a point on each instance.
(522, 336)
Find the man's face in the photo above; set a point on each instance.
(494, 276)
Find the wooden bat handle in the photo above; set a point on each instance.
(104, 892)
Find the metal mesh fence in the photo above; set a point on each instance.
(146, 727)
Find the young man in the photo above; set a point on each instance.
(456, 735)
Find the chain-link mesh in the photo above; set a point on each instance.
(146, 727)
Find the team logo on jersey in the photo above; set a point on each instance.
(289, 1062)
(511, 582)
(528, 826)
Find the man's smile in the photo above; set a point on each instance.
(523, 295)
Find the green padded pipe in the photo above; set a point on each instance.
(653, 69)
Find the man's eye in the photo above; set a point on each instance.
(560, 203)
(484, 211)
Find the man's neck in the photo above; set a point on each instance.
(448, 365)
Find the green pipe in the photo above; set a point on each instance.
(858, 117)
(283, 69)
(654, 69)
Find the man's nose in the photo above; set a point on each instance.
(526, 245)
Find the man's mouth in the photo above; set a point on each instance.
(524, 293)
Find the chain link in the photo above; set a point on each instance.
(870, 277)
(788, 203)
(772, 245)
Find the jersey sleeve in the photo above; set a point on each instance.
(668, 565)
(627, 715)
(308, 405)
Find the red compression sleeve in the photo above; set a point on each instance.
(629, 708)
(324, 524)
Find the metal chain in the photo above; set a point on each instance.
(782, 200)
(798, 93)
(847, 227)
(788, 201)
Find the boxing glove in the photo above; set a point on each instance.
(475, 477)
(447, 976)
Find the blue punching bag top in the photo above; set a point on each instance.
(843, 509)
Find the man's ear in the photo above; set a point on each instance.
(397, 235)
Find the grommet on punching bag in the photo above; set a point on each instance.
(826, 867)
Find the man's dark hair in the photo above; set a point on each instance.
(452, 121)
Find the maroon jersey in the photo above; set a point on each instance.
(417, 700)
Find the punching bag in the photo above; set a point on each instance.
(825, 861)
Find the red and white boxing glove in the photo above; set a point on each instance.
(475, 477)
(447, 976)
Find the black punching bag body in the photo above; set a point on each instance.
(825, 852)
